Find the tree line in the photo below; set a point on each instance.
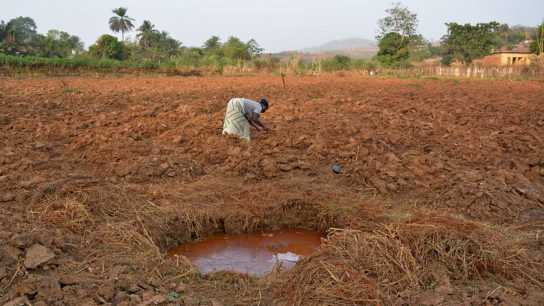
(398, 40)
(19, 37)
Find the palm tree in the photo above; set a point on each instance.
(121, 23)
(213, 43)
(169, 44)
(147, 33)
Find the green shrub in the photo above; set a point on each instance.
(107, 47)
(338, 62)
(33, 62)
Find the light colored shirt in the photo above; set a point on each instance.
(251, 107)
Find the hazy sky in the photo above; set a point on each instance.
(276, 24)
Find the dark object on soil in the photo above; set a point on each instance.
(540, 162)
(336, 169)
(174, 295)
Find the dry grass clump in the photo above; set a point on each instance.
(67, 212)
(372, 267)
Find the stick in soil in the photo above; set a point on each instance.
(490, 293)
(18, 268)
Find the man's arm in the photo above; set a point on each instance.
(258, 122)
(253, 124)
(249, 118)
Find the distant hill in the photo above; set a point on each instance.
(342, 44)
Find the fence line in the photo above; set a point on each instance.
(481, 72)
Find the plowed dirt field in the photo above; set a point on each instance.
(440, 198)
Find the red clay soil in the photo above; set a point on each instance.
(84, 161)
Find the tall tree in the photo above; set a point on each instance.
(468, 42)
(23, 28)
(6, 30)
(121, 23)
(399, 30)
(7, 39)
(147, 33)
(254, 48)
(400, 21)
(16, 34)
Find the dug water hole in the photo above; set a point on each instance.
(252, 253)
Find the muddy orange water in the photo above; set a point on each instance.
(252, 253)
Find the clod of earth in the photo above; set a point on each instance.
(36, 255)
(7, 197)
(23, 241)
(17, 302)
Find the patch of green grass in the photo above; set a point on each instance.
(339, 209)
(432, 78)
(507, 232)
(399, 215)
(415, 85)
(71, 89)
(332, 206)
